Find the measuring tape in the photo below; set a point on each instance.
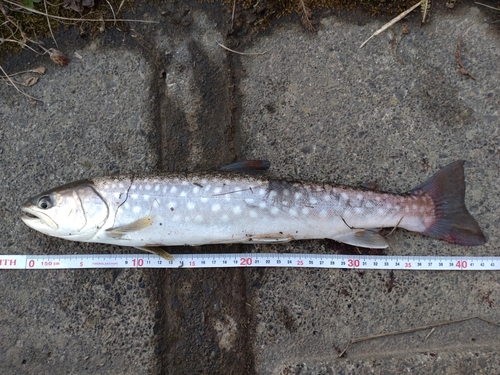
(249, 260)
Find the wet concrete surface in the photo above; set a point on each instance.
(166, 97)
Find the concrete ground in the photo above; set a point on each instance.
(166, 97)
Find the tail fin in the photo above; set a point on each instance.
(452, 222)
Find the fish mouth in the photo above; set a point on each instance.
(37, 220)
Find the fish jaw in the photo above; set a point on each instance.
(37, 220)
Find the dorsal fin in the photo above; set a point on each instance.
(247, 167)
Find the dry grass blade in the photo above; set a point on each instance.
(75, 19)
(239, 53)
(305, 16)
(426, 8)
(392, 22)
(48, 23)
(410, 330)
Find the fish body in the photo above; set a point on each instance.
(149, 212)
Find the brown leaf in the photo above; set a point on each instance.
(30, 81)
(58, 57)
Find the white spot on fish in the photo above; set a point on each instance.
(407, 209)
(204, 200)
(293, 212)
(197, 218)
(297, 195)
(136, 209)
(134, 196)
(397, 207)
(422, 209)
(117, 195)
(148, 187)
(207, 188)
(113, 186)
(217, 190)
(286, 192)
(262, 191)
(272, 194)
(359, 197)
(253, 214)
(358, 210)
(388, 206)
(140, 187)
(127, 205)
(414, 206)
(184, 183)
(145, 197)
(262, 205)
(249, 201)
(369, 204)
(157, 187)
(204, 181)
(322, 213)
(183, 194)
(173, 189)
(327, 197)
(190, 206)
(196, 189)
(305, 211)
(216, 207)
(313, 201)
(274, 211)
(171, 205)
(121, 186)
(344, 196)
(378, 199)
(237, 210)
(225, 218)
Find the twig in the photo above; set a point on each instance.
(393, 229)
(75, 19)
(430, 333)
(409, 330)
(239, 53)
(487, 6)
(392, 22)
(17, 88)
(458, 57)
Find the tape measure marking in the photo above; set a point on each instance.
(75, 261)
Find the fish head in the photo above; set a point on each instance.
(74, 211)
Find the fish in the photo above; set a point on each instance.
(242, 203)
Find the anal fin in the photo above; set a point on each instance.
(157, 250)
(363, 238)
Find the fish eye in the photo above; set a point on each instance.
(44, 203)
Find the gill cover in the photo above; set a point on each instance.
(74, 211)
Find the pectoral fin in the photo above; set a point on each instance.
(363, 238)
(132, 227)
(158, 250)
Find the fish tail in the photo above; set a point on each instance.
(452, 222)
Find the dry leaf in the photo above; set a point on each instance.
(58, 57)
(30, 81)
(405, 29)
(39, 70)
